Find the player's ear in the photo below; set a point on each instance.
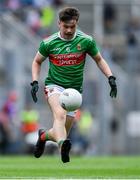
(58, 23)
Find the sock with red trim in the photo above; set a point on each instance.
(45, 136)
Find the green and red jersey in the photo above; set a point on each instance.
(67, 58)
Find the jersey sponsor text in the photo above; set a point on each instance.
(67, 59)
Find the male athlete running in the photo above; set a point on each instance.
(66, 51)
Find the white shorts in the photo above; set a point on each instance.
(55, 89)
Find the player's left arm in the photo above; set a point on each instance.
(102, 64)
(104, 67)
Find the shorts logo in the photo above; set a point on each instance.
(46, 92)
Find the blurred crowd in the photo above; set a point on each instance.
(123, 48)
(8, 125)
(38, 16)
(14, 125)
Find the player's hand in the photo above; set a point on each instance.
(113, 92)
(34, 90)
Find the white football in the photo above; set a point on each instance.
(70, 99)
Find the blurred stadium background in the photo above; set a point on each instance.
(104, 126)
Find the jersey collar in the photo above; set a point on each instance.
(59, 35)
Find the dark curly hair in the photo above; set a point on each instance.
(69, 13)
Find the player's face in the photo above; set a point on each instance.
(67, 29)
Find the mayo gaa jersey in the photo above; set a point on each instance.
(67, 58)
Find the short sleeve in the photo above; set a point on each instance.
(92, 47)
(43, 49)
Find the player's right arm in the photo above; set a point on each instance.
(36, 66)
(40, 56)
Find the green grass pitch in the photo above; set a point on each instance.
(27, 167)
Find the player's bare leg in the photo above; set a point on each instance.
(69, 123)
(58, 132)
(49, 135)
(66, 146)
